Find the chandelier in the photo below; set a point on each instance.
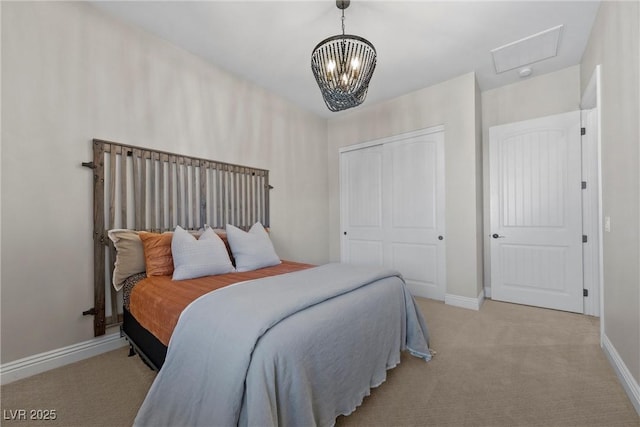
(343, 66)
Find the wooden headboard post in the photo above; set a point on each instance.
(150, 190)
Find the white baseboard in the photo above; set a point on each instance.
(629, 383)
(32, 365)
(423, 291)
(465, 302)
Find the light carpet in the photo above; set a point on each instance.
(504, 365)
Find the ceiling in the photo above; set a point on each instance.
(419, 43)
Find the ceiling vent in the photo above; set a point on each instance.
(528, 50)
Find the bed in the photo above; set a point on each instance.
(270, 342)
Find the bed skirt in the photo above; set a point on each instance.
(147, 346)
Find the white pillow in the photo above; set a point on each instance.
(252, 250)
(193, 257)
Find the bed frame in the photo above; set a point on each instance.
(149, 190)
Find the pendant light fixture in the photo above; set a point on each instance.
(343, 66)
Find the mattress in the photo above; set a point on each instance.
(157, 302)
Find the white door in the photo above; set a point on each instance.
(536, 212)
(361, 205)
(393, 209)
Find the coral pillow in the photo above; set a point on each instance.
(157, 253)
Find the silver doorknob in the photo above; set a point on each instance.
(497, 236)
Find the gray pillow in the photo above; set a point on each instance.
(252, 250)
(194, 258)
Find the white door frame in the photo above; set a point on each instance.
(394, 138)
(591, 100)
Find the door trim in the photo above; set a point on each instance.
(394, 138)
(592, 100)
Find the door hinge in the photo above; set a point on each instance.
(584, 238)
(585, 292)
(583, 131)
(584, 185)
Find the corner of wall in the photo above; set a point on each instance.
(627, 380)
(479, 188)
(465, 302)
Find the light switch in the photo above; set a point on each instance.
(607, 224)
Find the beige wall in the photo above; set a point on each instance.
(452, 104)
(614, 43)
(69, 74)
(548, 94)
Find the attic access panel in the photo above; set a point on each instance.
(528, 50)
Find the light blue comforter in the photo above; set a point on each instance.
(284, 350)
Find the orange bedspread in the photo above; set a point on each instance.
(157, 301)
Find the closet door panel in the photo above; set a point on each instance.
(414, 212)
(413, 185)
(361, 198)
(392, 208)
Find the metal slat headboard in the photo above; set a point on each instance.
(150, 190)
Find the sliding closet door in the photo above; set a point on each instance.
(414, 217)
(361, 201)
(392, 206)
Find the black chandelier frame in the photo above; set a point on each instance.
(343, 66)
